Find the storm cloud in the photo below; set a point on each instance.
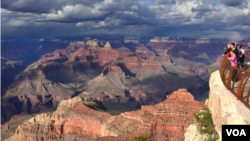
(192, 18)
(232, 2)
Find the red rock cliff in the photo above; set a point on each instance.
(164, 121)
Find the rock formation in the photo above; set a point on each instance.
(226, 109)
(224, 106)
(163, 121)
(192, 134)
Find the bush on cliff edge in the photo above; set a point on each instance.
(141, 138)
(205, 124)
(211, 71)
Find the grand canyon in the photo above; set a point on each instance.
(105, 88)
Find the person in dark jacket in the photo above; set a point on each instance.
(227, 50)
(238, 47)
(242, 55)
(248, 53)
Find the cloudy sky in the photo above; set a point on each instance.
(183, 18)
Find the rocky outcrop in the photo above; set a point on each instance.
(109, 69)
(166, 120)
(14, 105)
(192, 134)
(107, 46)
(225, 107)
(5, 127)
(143, 50)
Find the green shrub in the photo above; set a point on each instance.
(144, 137)
(211, 71)
(205, 124)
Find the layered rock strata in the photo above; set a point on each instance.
(164, 121)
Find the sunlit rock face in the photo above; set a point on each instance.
(224, 106)
(163, 121)
(192, 134)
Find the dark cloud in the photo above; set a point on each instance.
(232, 2)
(44, 18)
(131, 12)
(41, 6)
(165, 1)
(203, 8)
(170, 1)
(206, 6)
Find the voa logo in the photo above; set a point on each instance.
(236, 132)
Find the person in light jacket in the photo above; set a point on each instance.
(233, 58)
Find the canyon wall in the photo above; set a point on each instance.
(96, 70)
(225, 107)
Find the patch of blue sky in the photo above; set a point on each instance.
(168, 4)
